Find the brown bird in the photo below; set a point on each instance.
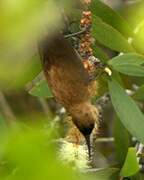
(70, 83)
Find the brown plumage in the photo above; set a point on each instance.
(70, 83)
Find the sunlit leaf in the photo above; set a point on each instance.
(111, 17)
(131, 165)
(138, 39)
(134, 12)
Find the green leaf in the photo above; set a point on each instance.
(122, 141)
(130, 166)
(139, 94)
(127, 110)
(129, 64)
(41, 89)
(111, 17)
(104, 174)
(138, 39)
(109, 37)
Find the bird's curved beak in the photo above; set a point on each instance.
(88, 142)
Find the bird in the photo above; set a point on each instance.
(70, 83)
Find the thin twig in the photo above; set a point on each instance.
(98, 140)
(76, 33)
(104, 140)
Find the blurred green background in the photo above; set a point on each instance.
(30, 119)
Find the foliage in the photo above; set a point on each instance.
(28, 153)
(41, 89)
(130, 166)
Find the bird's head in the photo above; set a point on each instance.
(85, 117)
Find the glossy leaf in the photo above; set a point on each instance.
(41, 89)
(130, 166)
(109, 37)
(111, 17)
(127, 110)
(129, 64)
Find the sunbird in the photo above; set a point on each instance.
(70, 83)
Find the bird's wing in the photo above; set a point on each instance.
(64, 71)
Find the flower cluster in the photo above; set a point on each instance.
(85, 42)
